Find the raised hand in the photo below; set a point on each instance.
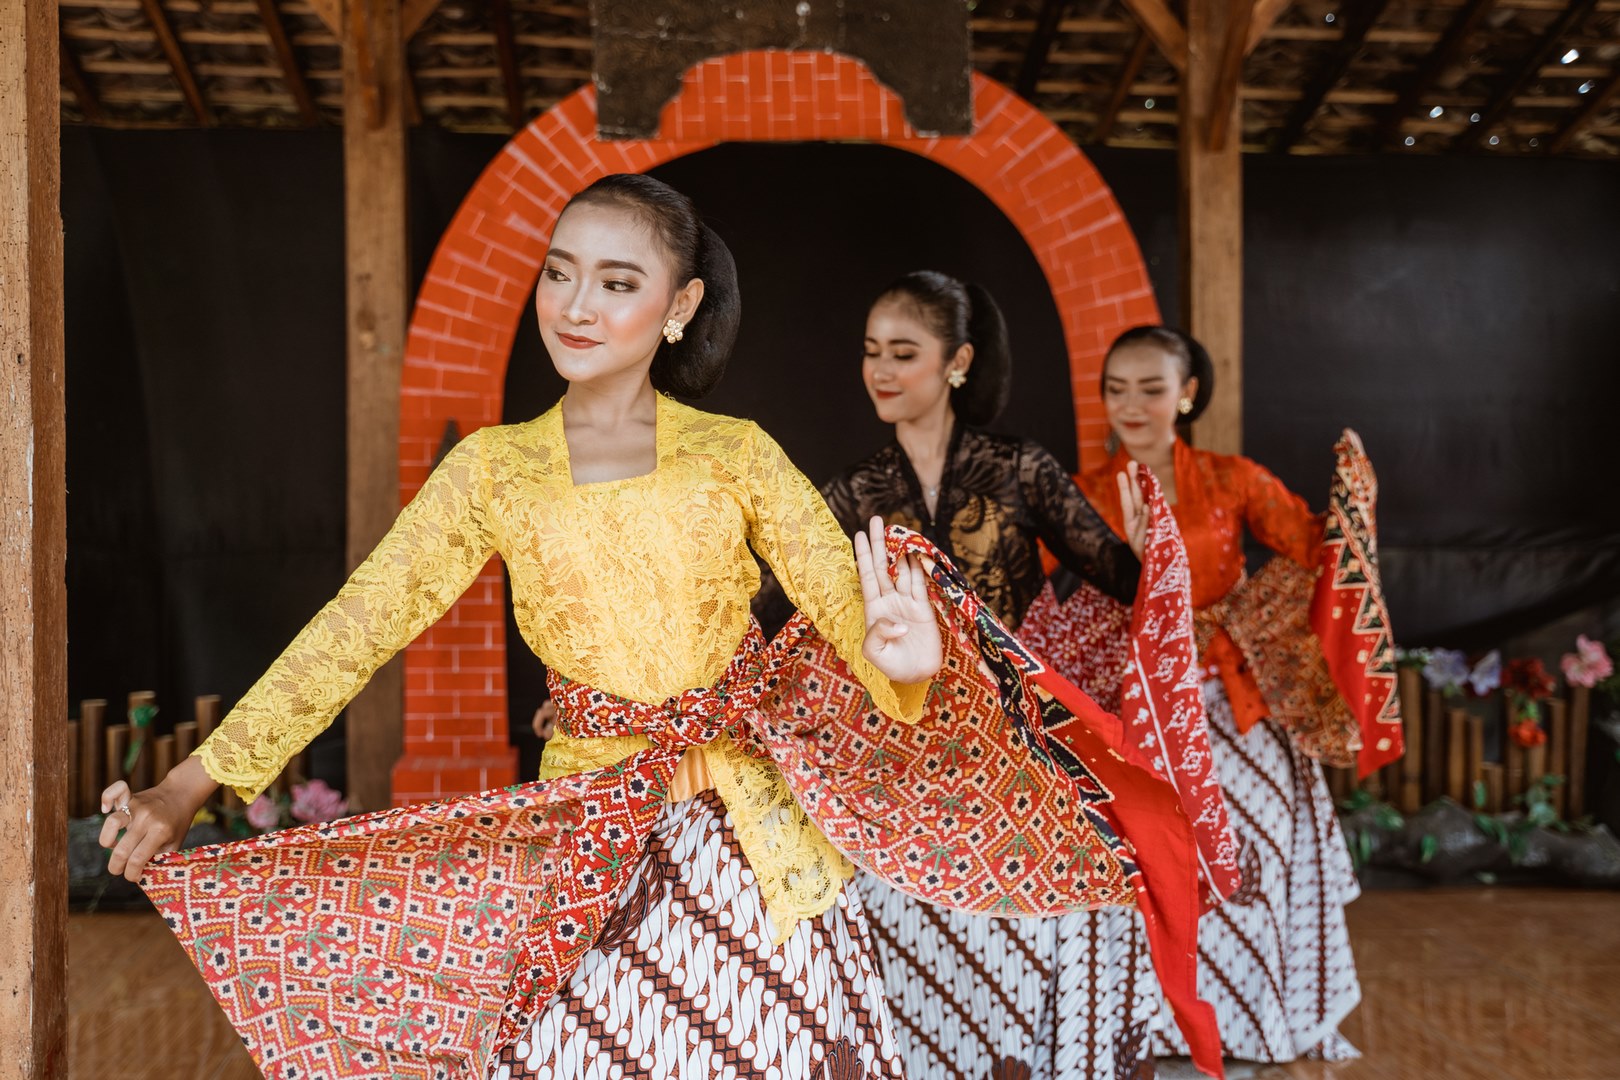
(902, 636)
(1135, 508)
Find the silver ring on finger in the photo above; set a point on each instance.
(126, 811)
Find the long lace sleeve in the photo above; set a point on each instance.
(1278, 518)
(1073, 529)
(430, 556)
(792, 529)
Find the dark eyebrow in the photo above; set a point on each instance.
(619, 264)
(559, 253)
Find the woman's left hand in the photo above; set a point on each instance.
(1135, 507)
(902, 636)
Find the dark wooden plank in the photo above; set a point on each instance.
(1580, 718)
(1410, 683)
(1468, 20)
(1359, 17)
(1266, 14)
(92, 751)
(291, 74)
(178, 64)
(1519, 79)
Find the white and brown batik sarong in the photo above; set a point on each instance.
(684, 982)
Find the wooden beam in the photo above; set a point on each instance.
(1266, 14)
(1122, 88)
(1224, 106)
(291, 73)
(1527, 72)
(1598, 106)
(374, 172)
(1358, 19)
(1166, 30)
(500, 14)
(1040, 46)
(1436, 63)
(178, 64)
(415, 14)
(73, 78)
(33, 551)
(1212, 225)
(330, 12)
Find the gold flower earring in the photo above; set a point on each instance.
(674, 330)
(1184, 406)
(956, 377)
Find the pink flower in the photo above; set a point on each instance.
(316, 801)
(1589, 664)
(264, 814)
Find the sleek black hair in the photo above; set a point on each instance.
(692, 366)
(1192, 359)
(959, 313)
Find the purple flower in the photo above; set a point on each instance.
(1446, 670)
(1487, 674)
(264, 814)
(316, 801)
(1589, 664)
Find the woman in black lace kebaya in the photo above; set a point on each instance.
(975, 996)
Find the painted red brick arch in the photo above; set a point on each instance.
(483, 273)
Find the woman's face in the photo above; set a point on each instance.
(606, 290)
(904, 364)
(1141, 388)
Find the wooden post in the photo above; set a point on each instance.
(1513, 765)
(1558, 751)
(1434, 746)
(1457, 755)
(1535, 765)
(162, 755)
(1475, 751)
(92, 752)
(140, 775)
(1490, 772)
(1212, 219)
(206, 710)
(185, 740)
(33, 551)
(1580, 718)
(374, 201)
(1411, 763)
(117, 744)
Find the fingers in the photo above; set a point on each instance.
(880, 556)
(116, 795)
(919, 579)
(150, 844)
(863, 567)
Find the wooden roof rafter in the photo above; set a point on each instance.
(1359, 21)
(178, 64)
(1041, 41)
(1468, 20)
(1575, 12)
(73, 78)
(291, 73)
(1122, 88)
(500, 15)
(1166, 30)
(1599, 104)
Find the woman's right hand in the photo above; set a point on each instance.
(145, 823)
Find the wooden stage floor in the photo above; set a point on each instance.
(1464, 984)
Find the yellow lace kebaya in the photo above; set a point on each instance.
(638, 587)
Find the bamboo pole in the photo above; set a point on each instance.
(1411, 763)
(1474, 732)
(185, 740)
(1457, 755)
(92, 752)
(140, 775)
(1580, 719)
(117, 742)
(1434, 746)
(76, 793)
(1558, 751)
(1491, 774)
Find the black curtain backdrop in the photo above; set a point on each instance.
(1461, 313)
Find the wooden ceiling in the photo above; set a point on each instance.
(1524, 77)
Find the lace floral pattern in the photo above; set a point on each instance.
(639, 587)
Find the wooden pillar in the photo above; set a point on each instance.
(33, 552)
(374, 202)
(1212, 213)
